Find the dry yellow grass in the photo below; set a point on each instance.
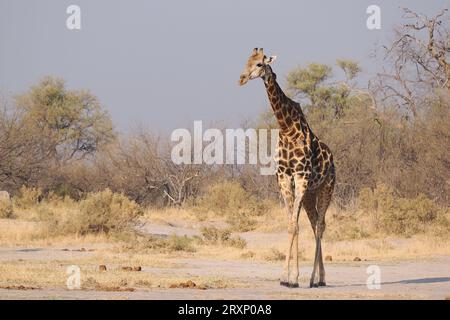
(13, 232)
(52, 274)
(270, 236)
(388, 249)
(29, 233)
(113, 257)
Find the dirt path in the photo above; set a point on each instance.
(403, 280)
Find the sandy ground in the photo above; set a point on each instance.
(415, 279)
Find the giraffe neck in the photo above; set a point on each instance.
(286, 111)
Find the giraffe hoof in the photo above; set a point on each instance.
(322, 284)
(284, 283)
(292, 285)
(313, 285)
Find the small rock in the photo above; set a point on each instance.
(188, 284)
(357, 259)
(127, 268)
(137, 268)
(83, 249)
(102, 267)
(328, 258)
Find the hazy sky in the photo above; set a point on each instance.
(167, 63)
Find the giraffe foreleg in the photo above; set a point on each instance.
(285, 184)
(299, 191)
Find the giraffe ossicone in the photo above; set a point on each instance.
(305, 168)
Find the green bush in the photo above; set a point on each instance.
(241, 222)
(348, 225)
(180, 243)
(213, 235)
(275, 255)
(107, 212)
(230, 198)
(139, 243)
(236, 242)
(401, 216)
(64, 190)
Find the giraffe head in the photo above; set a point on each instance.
(256, 66)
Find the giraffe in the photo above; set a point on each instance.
(305, 169)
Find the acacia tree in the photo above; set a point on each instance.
(45, 129)
(317, 90)
(71, 124)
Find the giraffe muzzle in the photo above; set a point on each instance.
(243, 80)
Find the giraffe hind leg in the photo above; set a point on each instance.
(323, 202)
(285, 184)
(310, 202)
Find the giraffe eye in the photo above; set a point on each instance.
(259, 65)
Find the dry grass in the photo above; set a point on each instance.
(214, 236)
(29, 234)
(6, 208)
(13, 232)
(385, 249)
(421, 246)
(171, 215)
(344, 238)
(52, 274)
(55, 220)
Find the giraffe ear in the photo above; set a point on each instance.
(269, 60)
